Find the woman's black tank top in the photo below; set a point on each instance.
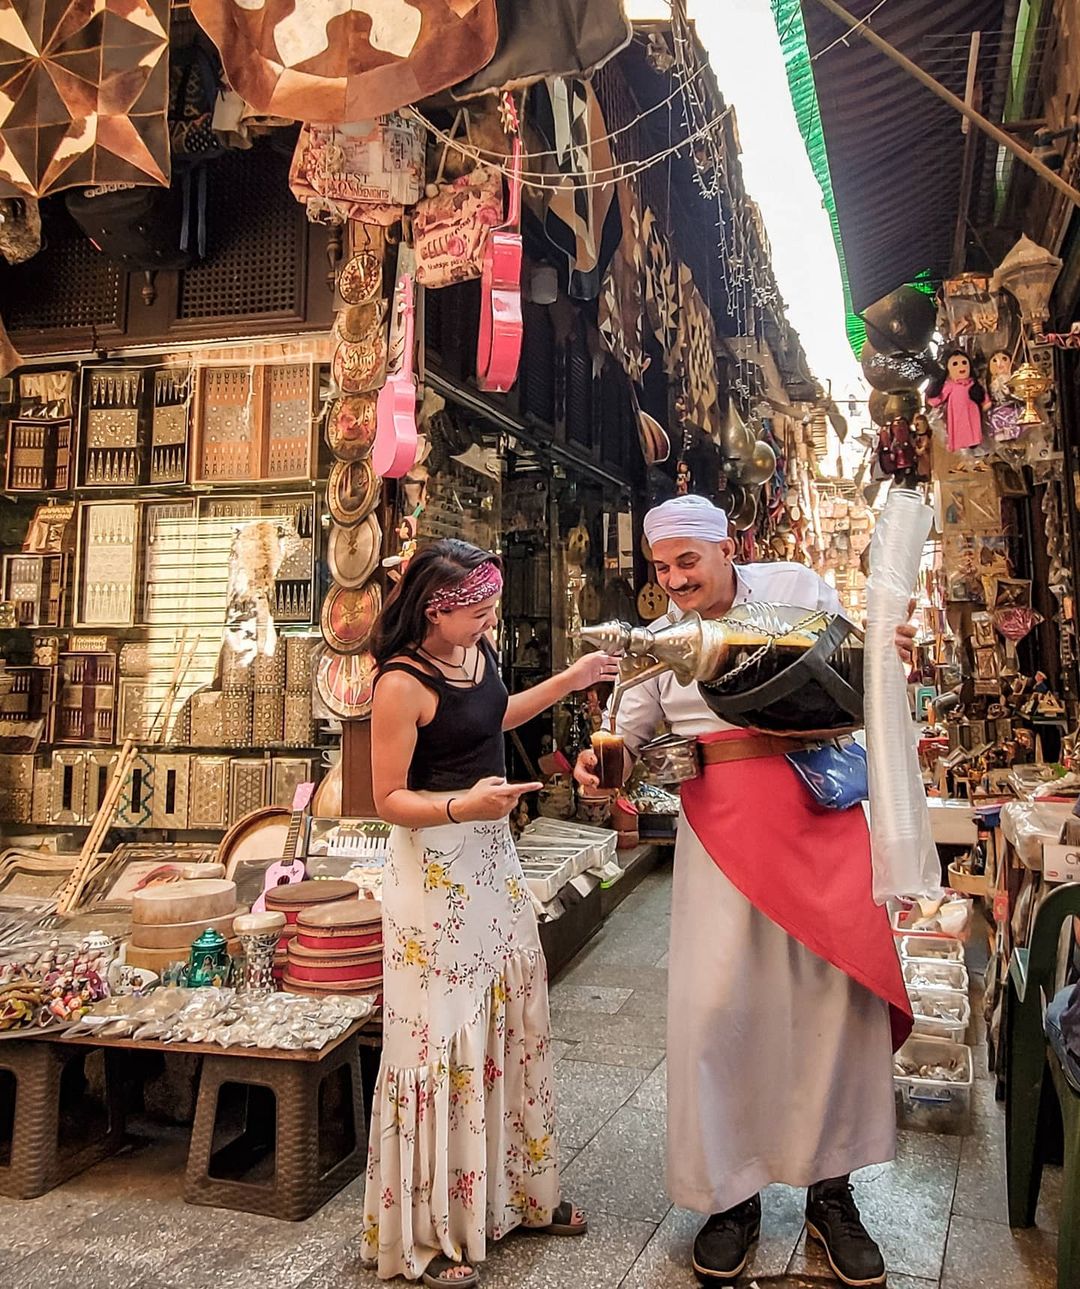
(463, 742)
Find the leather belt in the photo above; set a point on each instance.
(751, 748)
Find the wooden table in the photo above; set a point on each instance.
(302, 1129)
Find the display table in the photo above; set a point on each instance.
(276, 1132)
(952, 822)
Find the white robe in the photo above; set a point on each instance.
(779, 1064)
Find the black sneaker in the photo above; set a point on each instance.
(723, 1244)
(833, 1218)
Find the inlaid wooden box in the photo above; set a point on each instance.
(255, 422)
(108, 557)
(37, 586)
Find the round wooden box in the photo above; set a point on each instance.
(185, 901)
(301, 895)
(348, 925)
(341, 966)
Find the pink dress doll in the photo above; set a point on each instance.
(962, 398)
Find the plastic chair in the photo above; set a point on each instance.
(1032, 1067)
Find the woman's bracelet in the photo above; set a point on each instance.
(448, 814)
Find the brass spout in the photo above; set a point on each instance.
(647, 673)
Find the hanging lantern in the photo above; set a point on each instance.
(1029, 272)
(1029, 384)
(736, 440)
(762, 465)
(902, 321)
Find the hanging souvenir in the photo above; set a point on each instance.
(368, 170)
(652, 602)
(549, 38)
(20, 229)
(360, 368)
(360, 281)
(962, 397)
(1004, 411)
(350, 426)
(352, 491)
(345, 683)
(498, 345)
(452, 222)
(661, 292)
(395, 447)
(86, 96)
(352, 554)
(971, 307)
(698, 346)
(348, 617)
(337, 62)
(582, 223)
(622, 297)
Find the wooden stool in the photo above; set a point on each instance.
(296, 1145)
(45, 1146)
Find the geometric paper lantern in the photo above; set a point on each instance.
(84, 93)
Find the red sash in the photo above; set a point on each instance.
(805, 867)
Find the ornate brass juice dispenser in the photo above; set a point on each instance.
(769, 667)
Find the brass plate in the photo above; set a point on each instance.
(352, 491)
(353, 553)
(346, 683)
(359, 324)
(350, 426)
(358, 368)
(361, 278)
(348, 617)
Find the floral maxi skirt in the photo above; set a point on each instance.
(462, 1135)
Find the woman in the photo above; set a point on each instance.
(463, 1119)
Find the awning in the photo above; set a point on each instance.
(889, 155)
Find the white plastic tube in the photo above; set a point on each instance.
(905, 860)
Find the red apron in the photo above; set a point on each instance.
(805, 867)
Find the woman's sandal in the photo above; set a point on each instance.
(435, 1277)
(562, 1221)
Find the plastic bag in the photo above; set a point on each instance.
(905, 859)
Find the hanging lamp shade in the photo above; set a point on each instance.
(1029, 272)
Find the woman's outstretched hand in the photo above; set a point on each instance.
(593, 669)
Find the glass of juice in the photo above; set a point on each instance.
(610, 758)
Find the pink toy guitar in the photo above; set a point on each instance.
(498, 350)
(289, 869)
(394, 452)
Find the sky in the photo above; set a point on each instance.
(745, 54)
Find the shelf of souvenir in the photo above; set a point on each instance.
(40, 455)
(37, 586)
(85, 698)
(255, 422)
(170, 423)
(248, 785)
(286, 775)
(29, 701)
(172, 785)
(113, 428)
(294, 586)
(132, 719)
(16, 788)
(169, 544)
(208, 792)
(67, 787)
(107, 563)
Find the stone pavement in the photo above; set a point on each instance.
(938, 1211)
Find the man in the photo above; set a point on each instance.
(783, 978)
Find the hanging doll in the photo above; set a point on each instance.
(896, 452)
(1004, 410)
(962, 398)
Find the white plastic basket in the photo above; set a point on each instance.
(931, 1026)
(929, 974)
(940, 948)
(935, 1105)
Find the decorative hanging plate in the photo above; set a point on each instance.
(353, 553)
(359, 324)
(349, 615)
(651, 602)
(359, 368)
(350, 426)
(345, 683)
(361, 278)
(352, 491)
(577, 543)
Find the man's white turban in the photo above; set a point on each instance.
(689, 516)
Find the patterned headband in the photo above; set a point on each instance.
(481, 584)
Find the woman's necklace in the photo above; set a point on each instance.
(441, 662)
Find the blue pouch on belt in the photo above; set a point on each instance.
(835, 775)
